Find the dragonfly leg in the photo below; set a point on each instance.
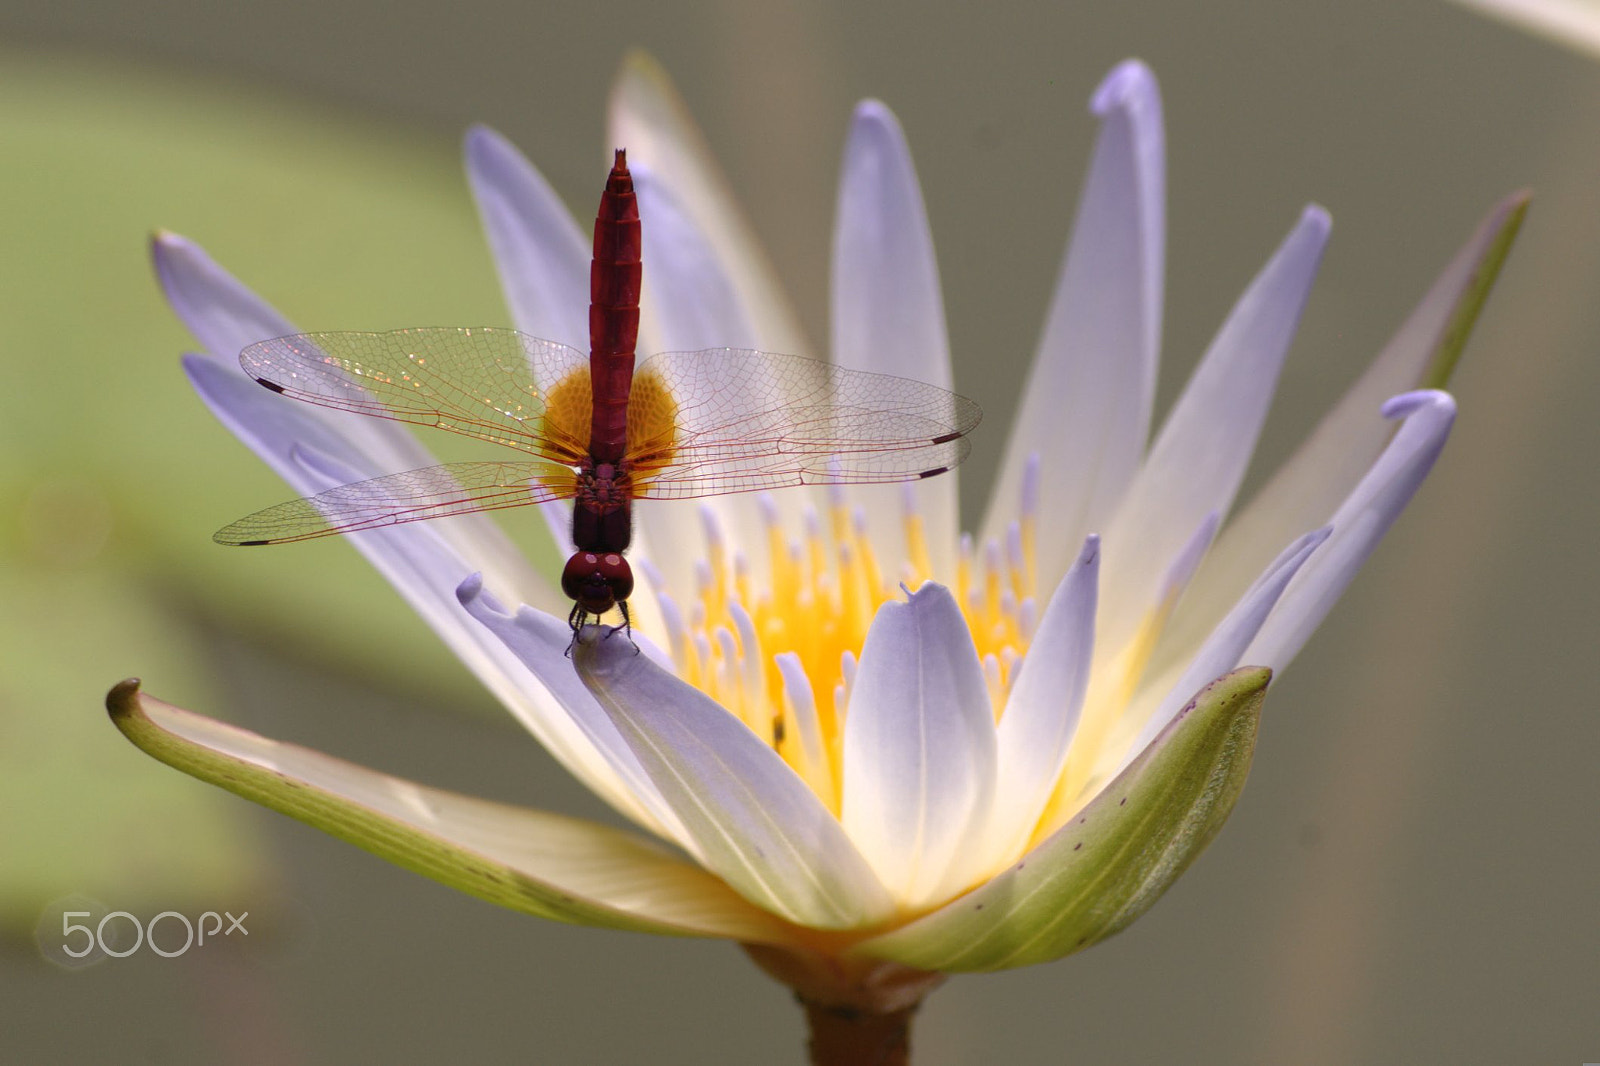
(575, 619)
(627, 626)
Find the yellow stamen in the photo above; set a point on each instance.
(917, 549)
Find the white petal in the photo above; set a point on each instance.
(1041, 715)
(538, 249)
(1333, 459)
(1200, 456)
(224, 315)
(1120, 852)
(647, 117)
(527, 860)
(754, 823)
(540, 642)
(887, 314)
(919, 749)
(1571, 22)
(1086, 406)
(1358, 524)
(1225, 648)
(693, 302)
(424, 561)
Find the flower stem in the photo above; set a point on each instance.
(850, 1036)
(858, 1010)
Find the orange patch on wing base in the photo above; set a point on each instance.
(652, 423)
(652, 427)
(568, 409)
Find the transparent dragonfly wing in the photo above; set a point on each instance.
(410, 496)
(701, 423)
(491, 384)
(748, 421)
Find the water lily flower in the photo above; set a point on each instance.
(871, 750)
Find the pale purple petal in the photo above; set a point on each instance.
(1120, 852)
(1086, 406)
(919, 749)
(887, 313)
(1200, 456)
(539, 251)
(424, 561)
(224, 316)
(649, 119)
(693, 303)
(1336, 456)
(222, 313)
(1225, 648)
(689, 292)
(1041, 715)
(1358, 524)
(540, 641)
(754, 823)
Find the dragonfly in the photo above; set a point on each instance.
(592, 430)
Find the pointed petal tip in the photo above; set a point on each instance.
(165, 247)
(480, 141)
(490, 157)
(874, 112)
(1129, 84)
(875, 134)
(638, 62)
(1091, 550)
(1316, 216)
(640, 79)
(1315, 538)
(1517, 200)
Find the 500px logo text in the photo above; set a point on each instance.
(110, 936)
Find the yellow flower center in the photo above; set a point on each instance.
(783, 657)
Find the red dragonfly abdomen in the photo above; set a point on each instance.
(597, 577)
(613, 313)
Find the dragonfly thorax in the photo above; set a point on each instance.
(602, 518)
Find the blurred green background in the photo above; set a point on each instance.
(1411, 875)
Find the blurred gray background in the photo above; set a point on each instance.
(1411, 875)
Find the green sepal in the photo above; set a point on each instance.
(1113, 860)
(1487, 251)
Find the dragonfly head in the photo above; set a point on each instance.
(597, 581)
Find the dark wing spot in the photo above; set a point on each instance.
(933, 473)
(263, 382)
(947, 438)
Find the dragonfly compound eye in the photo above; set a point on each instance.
(597, 581)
